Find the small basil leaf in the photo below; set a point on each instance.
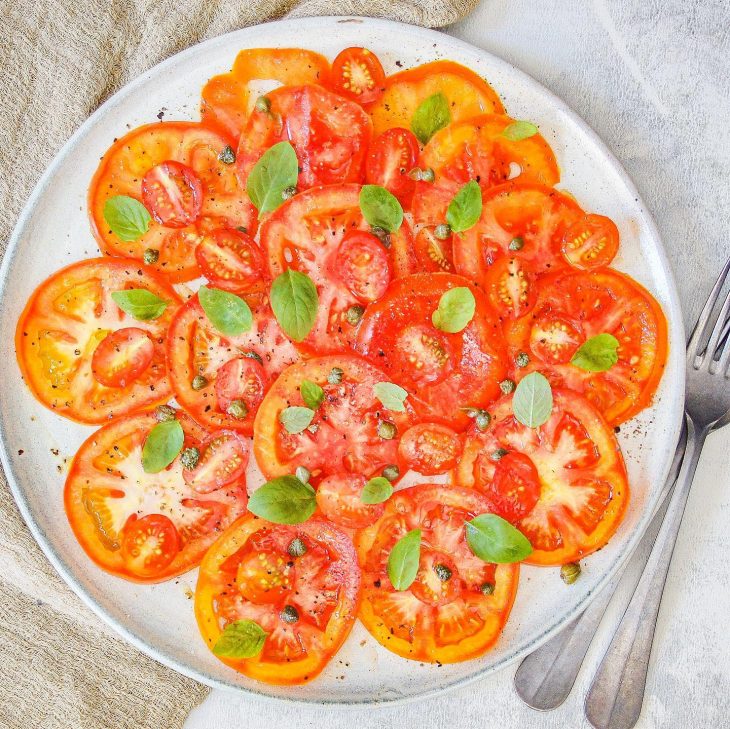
(241, 639)
(532, 402)
(519, 130)
(228, 313)
(296, 419)
(162, 445)
(466, 208)
(391, 396)
(493, 539)
(404, 559)
(376, 491)
(312, 394)
(276, 170)
(456, 309)
(597, 354)
(285, 500)
(127, 218)
(431, 115)
(140, 304)
(381, 208)
(295, 302)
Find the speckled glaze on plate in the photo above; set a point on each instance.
(53, 231)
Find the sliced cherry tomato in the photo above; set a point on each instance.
(329, 134)
(338, 497)
(446, 615)
(591, 242)
(122, 356)
(434, 254)
(231, 367)
(511, 286)
(358, 74)
(228, 99)
(144, 527)
(149, 545)
(175, 169)
(232, 261)
(430, 448)
(81, 355)
(562, 484)
(391, 157)
(363, 265)
(305, 234)
(223, 459)
(467, 94)
(348, 432)
(442, 372)
(306, 605)
(573, 307)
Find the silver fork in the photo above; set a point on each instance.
(616, 695)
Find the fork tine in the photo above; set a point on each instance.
(717, 331)
(702, 322)
(725, 356)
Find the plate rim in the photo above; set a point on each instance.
(674, 323)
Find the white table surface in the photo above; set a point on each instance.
(651, 77)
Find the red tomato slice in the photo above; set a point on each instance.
(305, 233)
(229, 365)
(391, 157)
(591, 242)
(249, 575)
(430, 448)
(571, 308)
(81, 355)
(175, 170)
(232, 261)
(329, 134)
(338, 497)
(344, 437)
(122, 516)
(434, 620)
(363, 265)
(511, 286)
(223, 459)
(432, 253)
(441, 372)
(358, 75)
(562, 484)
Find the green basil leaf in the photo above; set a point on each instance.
(276, 170)
(140, 304)
(519, 130)
(456, 309)
(466, 208)
(295, 302)
(381, 208)
(404, 559)
(241, 639)
(162, 445)
(228, 313)
(127, 218)
(295, 419)
(391, 396)
(597, 354)
(431, 115)
(285, 500)
(376, 491)
(493, 539)
(312, 394)
(532, 402)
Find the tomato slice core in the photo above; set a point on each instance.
(222, 461)
(591, 242)
(149, 544)
(358, 74)
(363, 265)
(173, 193)
(231, 260)
(338, 496)
(122, 356)
(391, 157)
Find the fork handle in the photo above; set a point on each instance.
(616, 694)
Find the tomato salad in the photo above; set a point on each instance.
(393, 283)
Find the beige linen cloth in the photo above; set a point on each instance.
(60, 666)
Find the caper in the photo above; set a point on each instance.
(522, 359)
(507, 386)
(428, 175)
(482, 419)
(381, 234)
(442, 572)
(354, 314)
(227, 155)
(237, 409)
(303, 474)
(189, 458)
(386, 430)
(289, 614)
(516, 243)
(570, 572)
(499, 454)
(263, 104)
(253, 355)
(486, 588)
(164, 413)
(151, 255)
(296, 548)
(335, 376)
(199, 382)
(442, 231)
(391, 472)
(288, 192)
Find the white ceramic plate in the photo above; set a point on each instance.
(53, 231)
